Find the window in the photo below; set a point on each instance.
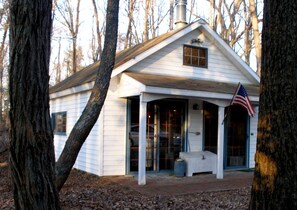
(59, 122)
(195, 56)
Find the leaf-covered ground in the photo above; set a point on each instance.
(87, 191)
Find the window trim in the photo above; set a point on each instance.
(196, 47)
(54, 114)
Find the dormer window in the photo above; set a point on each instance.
(195, 56)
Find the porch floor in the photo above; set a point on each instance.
(168, 184)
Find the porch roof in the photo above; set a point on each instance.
(183, 83)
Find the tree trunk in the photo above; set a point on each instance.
(31, 150)
(145, 35)
(1, 96)
(92, 110)
(128, 39)
(171, 14)
(257, 37)
(3, 52)
(247, 37)
(72, 22)
(58, 67)
(212, 13)
(98, 32)
(275, 178)
(74, 55)
(74, 38)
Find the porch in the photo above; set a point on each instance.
(149, 94)
(164, 184)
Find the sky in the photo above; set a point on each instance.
(85, 30)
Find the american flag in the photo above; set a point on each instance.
(241, 97)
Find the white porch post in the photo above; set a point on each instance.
(142, 141)
(220, 152)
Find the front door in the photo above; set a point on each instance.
(210, 117)
(236, 137)
(165, 134)
(236, 134)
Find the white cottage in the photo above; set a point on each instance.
(167, 95)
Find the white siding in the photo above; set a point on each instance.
(129, 86)
(195, 126)
(114, 126)
(87, 159)
(169, 61)
(97, 156)
(253, 137)
(104, 152)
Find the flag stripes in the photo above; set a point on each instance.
(241, 98)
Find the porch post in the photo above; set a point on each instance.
(142, 141)
(220, 152)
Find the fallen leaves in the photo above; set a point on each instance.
(86, 191)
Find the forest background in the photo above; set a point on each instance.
(78, 32)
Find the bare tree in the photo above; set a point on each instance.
(99, 29)
(191, 10)
(171, 14)
(92, 110)
(129, 33)
(237, 22)
(4, 22)
(275, 177)
(58, 65)
(211, 13)
(256, 33)
(247, 34)
(70, 18)
(147, 7)
(68, 59)
(31, 149)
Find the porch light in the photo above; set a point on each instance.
(196, 107)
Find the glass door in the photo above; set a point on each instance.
(210, 116)
(171, 136)
(164, 137)
(236, 137)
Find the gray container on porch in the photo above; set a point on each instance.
(179, 167)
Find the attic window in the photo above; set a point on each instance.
(195, 56)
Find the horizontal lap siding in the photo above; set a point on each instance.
(169, 61)
(87, 159)
(114, 126)
(195, 124)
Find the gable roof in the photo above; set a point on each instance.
(129, 57)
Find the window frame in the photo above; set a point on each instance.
(54, 123)
(198, 57)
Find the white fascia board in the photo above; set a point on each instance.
(192, 93)
(219, 42)
(73, 90)
(254, 98)
(129, 86)
(188, 93)
(154, 49)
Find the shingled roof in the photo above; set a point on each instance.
(88, 74)
(173, 82)
(128, 57)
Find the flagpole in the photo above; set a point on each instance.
(231, 103)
